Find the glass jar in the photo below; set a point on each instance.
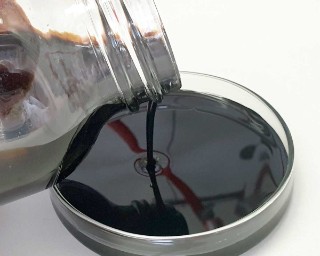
(62, 61)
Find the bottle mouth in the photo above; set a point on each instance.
(139, 54)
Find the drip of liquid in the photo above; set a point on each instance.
(151, 162)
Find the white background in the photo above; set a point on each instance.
(271, 47)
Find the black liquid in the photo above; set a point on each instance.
(220, 161)
(151, 162)
(86, 138)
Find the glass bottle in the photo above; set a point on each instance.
(62, 61)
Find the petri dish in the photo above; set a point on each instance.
(224, 161)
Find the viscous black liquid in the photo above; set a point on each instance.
(151, 161)
(216, 161)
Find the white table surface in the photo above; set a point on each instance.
(271, 47)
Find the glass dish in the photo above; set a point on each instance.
(242, 208)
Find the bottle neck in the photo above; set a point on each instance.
(137, 50)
